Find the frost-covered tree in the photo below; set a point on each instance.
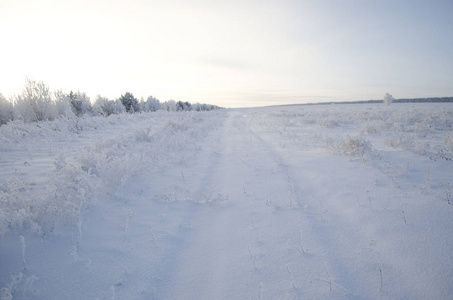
(183, 106)
(106, 107)
(63, 103)
(34, 103)
(388, 99)
(169, 105)
(6, 110)
(204, 107)
(152, 104)
(103, 106)
(80, 103)
(143, 105)
(118, 107)
(130, 103)
(196, 106)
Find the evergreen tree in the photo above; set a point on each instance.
(183, 106)
(80, 103)
(130, 103)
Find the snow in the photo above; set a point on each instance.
(292, 202)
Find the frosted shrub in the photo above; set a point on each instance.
(169, 105)
(372, 128)
(34, 103)
(351, 146)
(17, 209)
(6, 110)
(28, 206)
(151, 104)
(44, 204)
(144, 135)
(400, 141)
(357, 146)
(63, 104)
(80, 103)
(104, 106)
(422, 129)
(71, 188)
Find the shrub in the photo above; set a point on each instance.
(357, 146)
(352, 146)
(34, 103)
(6, 110)
(153, 104)
(63, 104)
(80, 103)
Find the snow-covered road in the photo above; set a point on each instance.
(270, 203)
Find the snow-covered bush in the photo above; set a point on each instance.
(371, 128)
(169, 105)
(106, 107)
(151, 104)
(118, 107)
(39, 206)
(355, 146)
(17, 211)
(399, 141)
(76, 181)
(422, 129)
(34, 103)
(101, 106)
(6, 110)
(63, 104)
(204, 107)
(80, 103)
(388, 99)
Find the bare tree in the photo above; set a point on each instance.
(34, 103)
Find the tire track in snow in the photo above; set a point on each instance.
(215, 251)
(313, 183)
(256, 246)
(348, 237)
(300, 259)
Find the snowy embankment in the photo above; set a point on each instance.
(338, 201)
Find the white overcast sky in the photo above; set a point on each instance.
(232, 52)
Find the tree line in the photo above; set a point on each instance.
(37, 103)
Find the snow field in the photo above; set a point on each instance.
(60, 168)
(338, 201)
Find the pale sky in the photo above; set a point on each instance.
(232, 53)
